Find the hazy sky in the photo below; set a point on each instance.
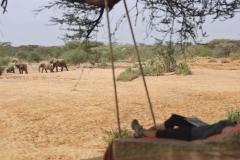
(21, 26)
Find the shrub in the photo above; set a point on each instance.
(222, 50)
(234, 115)
(200, 50)
(128, 75)
(122, 52)
(33, 57)
(72, 45)
(113, 134)
(152, 67)
(22, 55)
(75, 56)
(183, 69)
(4, 61)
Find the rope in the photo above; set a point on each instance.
(79, 79)
(140, 64)
(113, 67)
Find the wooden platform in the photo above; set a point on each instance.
(163, 149)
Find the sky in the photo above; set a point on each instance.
(22, 26)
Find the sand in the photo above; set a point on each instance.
(47, 116)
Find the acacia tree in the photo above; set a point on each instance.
(187, 15)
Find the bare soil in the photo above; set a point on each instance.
(57, 116)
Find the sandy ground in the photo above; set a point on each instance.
(47, 116)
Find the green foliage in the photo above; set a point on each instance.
(129, 74)
(234, 115)
(167, 54)
(29, 56)
(109, 135)
(152, 67)
(147, 52)
(75, 56)
(33, 57)
(72, 45)
(199, 50)
(4, 61)
(6, 49)
(123, 52)
(22, 55)
(216, 42)
(183, 69)
(222, 50)
(163, 58)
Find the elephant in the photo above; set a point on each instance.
(10, 69)
(58, 63)
(21, 67)
(46, 67)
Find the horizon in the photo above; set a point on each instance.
(106, 43)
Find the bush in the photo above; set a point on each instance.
(234, 115)
(129, 74)
(34, 57)
(4, 61)
(183, 69)
(200, 50)
(122, 52)
(75, 56)
(152, 67)
(223, 50)
(22, 55)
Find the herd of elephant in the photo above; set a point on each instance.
(51, 65)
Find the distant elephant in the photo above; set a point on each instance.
(58, 63)
(1, 70)
(21, 67)
(10, 69)
(46, 67)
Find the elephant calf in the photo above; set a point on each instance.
(22, 67)
(46, 67)
(10, 69)
(59, 63)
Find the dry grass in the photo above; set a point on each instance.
(44, 117)
(219, 64)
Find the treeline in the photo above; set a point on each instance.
(76, 52)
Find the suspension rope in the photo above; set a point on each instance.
(113, 67)
(79, 79)
(140, 64)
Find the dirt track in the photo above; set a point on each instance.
(43, 116)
